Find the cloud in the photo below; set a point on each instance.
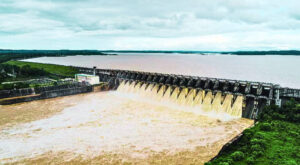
(149, 24)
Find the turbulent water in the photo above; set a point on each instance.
(198, 101)
(283, 70)
(112, 128)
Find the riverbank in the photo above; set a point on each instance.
(273, 140)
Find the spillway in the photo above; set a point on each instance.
(197, 99)
(211, 94)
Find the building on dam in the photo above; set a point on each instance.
(91, 79)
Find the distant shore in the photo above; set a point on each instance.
(271, 52)
(7, 54)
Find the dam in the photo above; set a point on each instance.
(145, 117)
(233, 97)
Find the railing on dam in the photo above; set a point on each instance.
(255, 94)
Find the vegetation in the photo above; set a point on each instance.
(7, 70)
(18, 71)
(58, 70)
(13, 72)
(17, 85)
(275, 139)
(280, 52)
(7, 55)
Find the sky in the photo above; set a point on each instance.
(204, 25)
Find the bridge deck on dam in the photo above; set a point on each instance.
(255, 94)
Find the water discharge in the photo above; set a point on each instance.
(196, 100)
(138, 123)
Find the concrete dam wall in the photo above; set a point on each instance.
(239, 98)
(236, 99)
(233, 97)
(195, 98)
(24, 95)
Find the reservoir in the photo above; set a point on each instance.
(283, 70)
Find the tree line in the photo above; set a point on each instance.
(7, 55)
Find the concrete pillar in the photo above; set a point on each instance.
(94, 70)
(269, 102)
(277, 98)
(255, 109)
(236, 87)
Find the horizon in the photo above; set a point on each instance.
(107, 50)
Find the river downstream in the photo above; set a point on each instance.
(110, 128)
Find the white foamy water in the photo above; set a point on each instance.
(111, 123)
(283, 70)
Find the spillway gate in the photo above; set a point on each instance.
(255, 95)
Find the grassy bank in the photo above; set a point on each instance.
(18, 72)
(59, 70)
(275, 139)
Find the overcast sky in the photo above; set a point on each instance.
(211, 25)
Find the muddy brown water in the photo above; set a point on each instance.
(110, 128)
